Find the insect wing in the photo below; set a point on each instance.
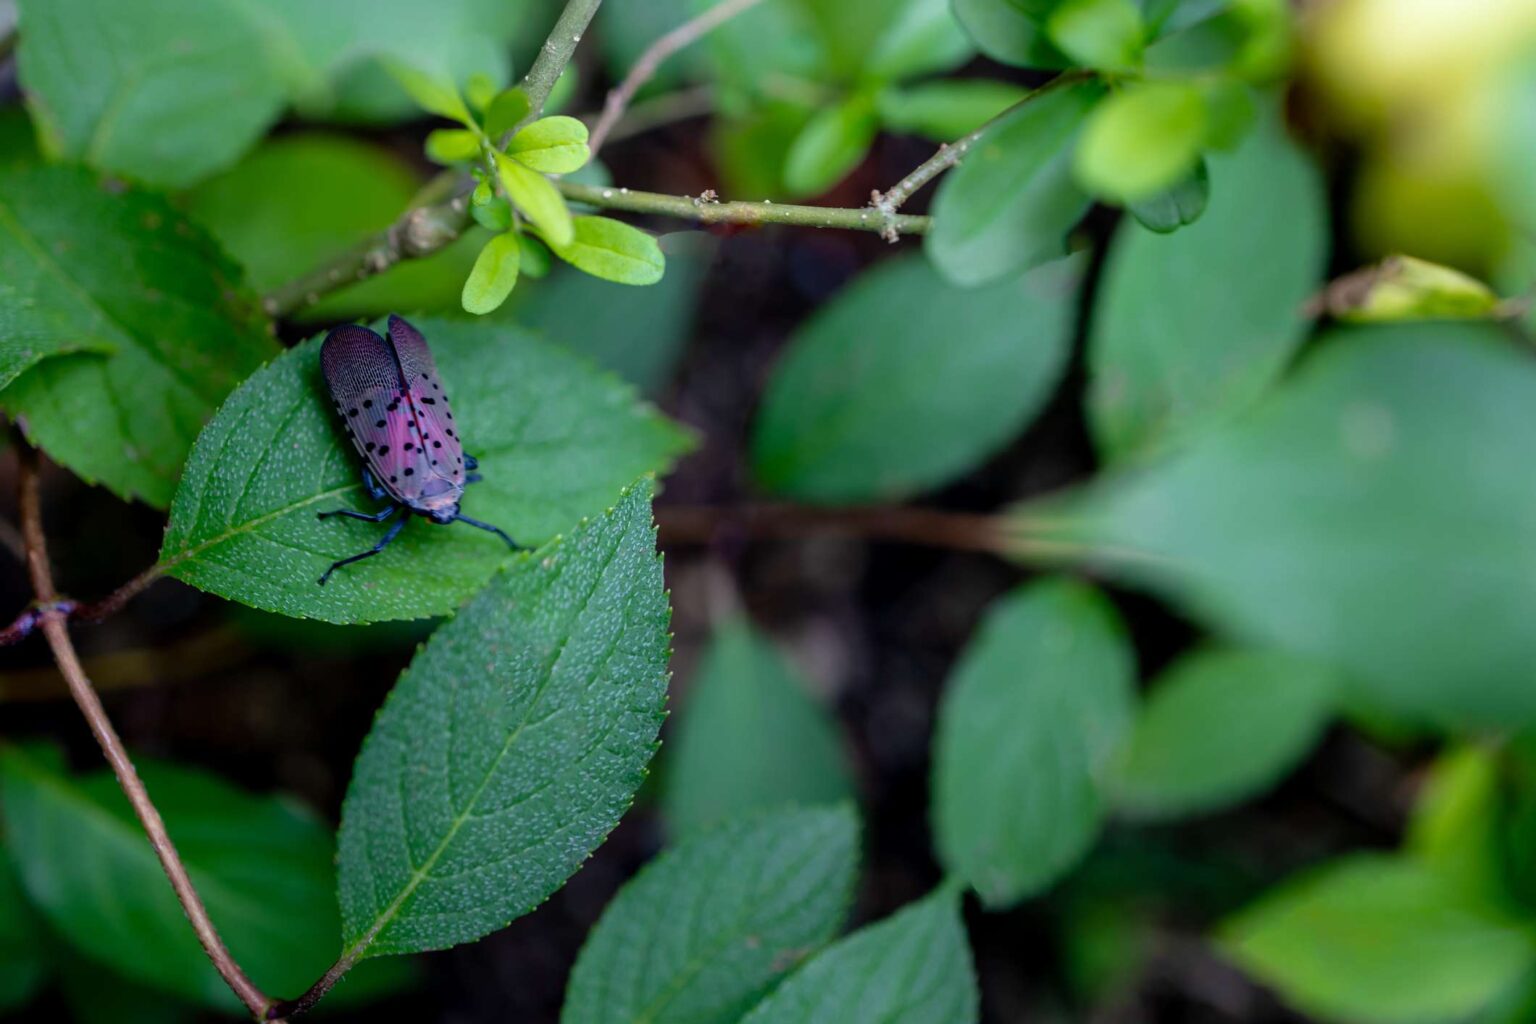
(439, 436)
(365, 384)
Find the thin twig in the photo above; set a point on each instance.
(54, 628)
(645, 67)
(95, 612)
(707, 210)
(317, 991)
(556, 52)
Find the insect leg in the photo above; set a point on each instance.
(372, 484)
(472, 478)
(493, 529)
(394, 531)
(367, 517)
(470, 463)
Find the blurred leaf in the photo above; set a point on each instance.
(480, 90)
(508, 109)
(551, 145)
(301, 200)
(495, 214)
(914, 967)
(1454, 828)
(1218, 728)
(23, 955)
(751, 148)
(1105, 34)
(433, 92)
(1031, 715)
(1141, 140)
(1514, 147)
(722, 917)
(1229, 112)
(921, 38)
(263, 868)
(904, 382)
(96, 995)
(1175, 207)
(1367, 515)
(494, 275)
(536, 198)
(513, 743)
(556, 441)
(628, 30)
(1404, 288)
(1379, 940)
(1009, 205)
(832, 143)
(749, 737)
(452, 145)
(946, 109)
(613, 251)
(87, 266)
(1011, 31)
(849, 33)
(1188, 329)
(767, 46)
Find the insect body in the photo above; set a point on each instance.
(390, 397)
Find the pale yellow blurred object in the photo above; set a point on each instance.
(1404, 288)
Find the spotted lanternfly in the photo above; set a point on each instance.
(396, 412)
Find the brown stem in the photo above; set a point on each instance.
(645, 68)
(108, 606)
(317, 991)
(54, 628)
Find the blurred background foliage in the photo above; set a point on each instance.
(1237, 728)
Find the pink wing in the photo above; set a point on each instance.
(432, 414)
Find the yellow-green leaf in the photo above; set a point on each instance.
(537, 200)
(1142, 140)
(452, 145)
(505, 111)
(435, 94)
(613, 250)
(552, 145)
(494, 275)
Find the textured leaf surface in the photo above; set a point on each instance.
(1034, 711)
(912, 968)
(704, 930)
(905, 382)
(1189, 327)
(1220, 727)
(1381, 941)
(749, 737)
(1368, 515)
(556, 441)
(512, 744)
(23, 963)
(263, 869)
(84, 267)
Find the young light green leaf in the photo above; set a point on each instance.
(1103, 34)
(1141, 140)
(745, 708)
(831, 144)
(1011, 31)
(512, 744)
(1009, 204)
(480, 90)
(946, 109)
(1175, 207)
(1366, 438)
(552, 145)
(434, 93)
(87, 267)
(914, 967)
(507, 111)
(1030, 718)
(1457, 819)
(537, 199)
(263, 868)
(1379, 940)
(556, 441)
(23, 959)
(1220, 727)
(613, 251)
(494, 275)
(452, 145)
(495, 214)
(1190, 328)
(723, 916)
(904, 381)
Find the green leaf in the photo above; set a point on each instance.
(1104, 34)
(1379, 940)
(552, 145)
(96, 995)
(507, 111)
(720, 918)
(921, 38)
(1405, 288)
(1218, 728)
(1009, 204)
(263, 868)
(832, 143)
(946, 109)
(912, 968)
(1175, 207)
(513, 743)
(537, 199)
(904, 382)
(164, 94)
(1344, 519)
(435, 93)
(556, 441)
(1141, 140)
(303, 199)
(1188, 329)
(495, 214)
(1454, 829)
(452, 145)
(749, 737)
(23, 956)
(494, 275)
(1011, 31)
(613, 251)
(1031, 715)
(82, 266)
